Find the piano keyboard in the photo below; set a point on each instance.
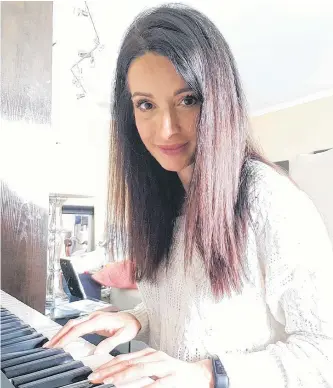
(25, 364)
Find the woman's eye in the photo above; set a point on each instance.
(144, 105)
(189, 100)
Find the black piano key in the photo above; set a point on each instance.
(14, 329)
(37, 365)
(25, 345)
(60, 380)
(17, 333)
(8, 320)
(7, 317)
(31, 357)
(11, 356)
(27, 337)
(12, 325)
(55, 371)
(6, 312)
(11, 321)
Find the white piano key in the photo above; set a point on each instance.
(95, 361)
(80, 349)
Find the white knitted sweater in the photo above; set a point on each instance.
(279, 331)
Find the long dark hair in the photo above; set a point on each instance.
(144, 199)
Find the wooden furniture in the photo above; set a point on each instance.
(26, 81)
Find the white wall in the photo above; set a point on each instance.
(314, 175)
(300, 129)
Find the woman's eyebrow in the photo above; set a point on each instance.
(142, 94)
(183, 90)
(179, 91)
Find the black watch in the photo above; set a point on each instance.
(221, 379)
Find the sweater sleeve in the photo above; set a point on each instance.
(140, 313)
(297, 262)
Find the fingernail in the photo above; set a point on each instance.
(93, 376)
(46, 344)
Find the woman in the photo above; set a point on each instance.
(232, 259)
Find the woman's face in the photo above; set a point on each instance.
(166, 111)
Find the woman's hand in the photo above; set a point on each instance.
(166, 371)
(120, 327)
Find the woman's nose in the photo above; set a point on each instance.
(169, 124)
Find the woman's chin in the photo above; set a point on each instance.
(173, 166)
(170, 167)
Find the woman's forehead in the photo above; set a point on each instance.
(154, 73)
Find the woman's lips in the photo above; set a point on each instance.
(173, 149)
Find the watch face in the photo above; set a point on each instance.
(219, 367)
(220, 375)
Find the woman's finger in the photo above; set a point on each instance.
(107, 370)
(126, 357)
(146, 369)
(77, 329)
(69, 325)
(111, 368)
(119, 337)
(102, 374)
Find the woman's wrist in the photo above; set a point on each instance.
(207, 372)
(132, 318)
